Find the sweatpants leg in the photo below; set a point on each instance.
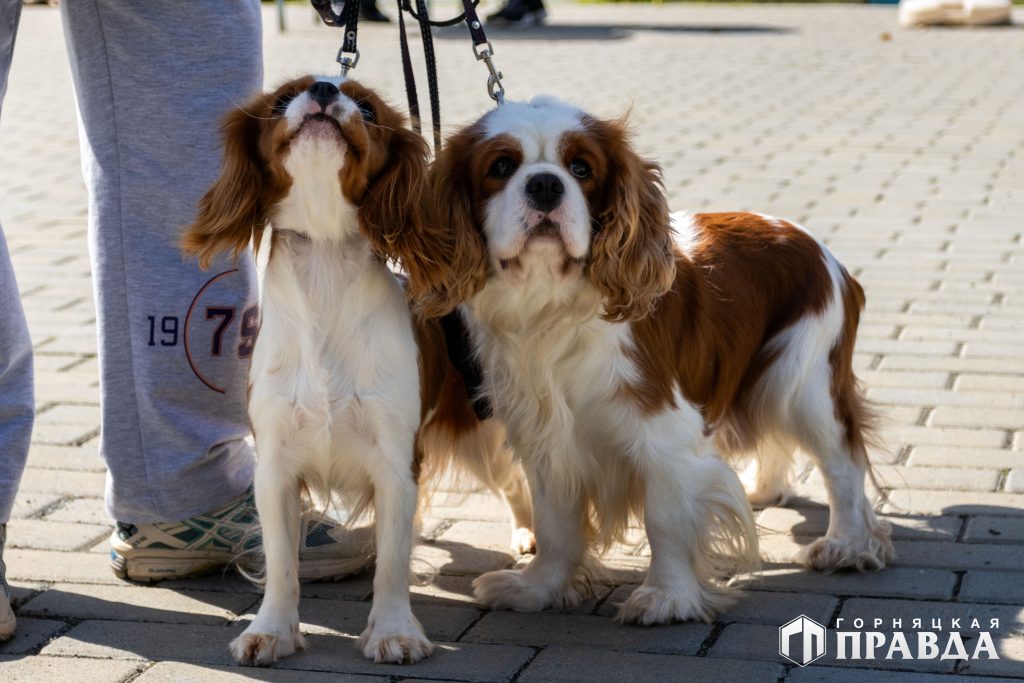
(152, 80)
(17, 402)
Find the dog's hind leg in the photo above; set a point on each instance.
(495, 466)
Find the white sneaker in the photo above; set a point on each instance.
(955, 12)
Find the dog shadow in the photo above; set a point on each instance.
(193, 621)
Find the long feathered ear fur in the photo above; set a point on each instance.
(447, 261)
(233, 211)
(391, 211)
(632, 260)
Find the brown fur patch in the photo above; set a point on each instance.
(748, 280)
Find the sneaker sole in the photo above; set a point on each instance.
(151, 565)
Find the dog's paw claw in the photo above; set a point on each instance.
(263, 649)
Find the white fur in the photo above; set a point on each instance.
(335, 402)
(685, 233)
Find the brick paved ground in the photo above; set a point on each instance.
(904, 150)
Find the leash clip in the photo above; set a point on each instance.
(347, 60)
(484, 52)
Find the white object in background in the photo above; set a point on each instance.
(955, 12)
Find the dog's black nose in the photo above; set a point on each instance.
(323, 93)
(544, 191)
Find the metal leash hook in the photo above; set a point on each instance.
(347, 60)
(485, 53)
(347, 18)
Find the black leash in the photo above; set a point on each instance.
(482, 50)
(348, 55)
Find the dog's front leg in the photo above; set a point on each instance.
(392, 632)
(560, 575)
(274, 633)
(701, 531)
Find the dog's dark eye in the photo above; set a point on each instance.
(579, 168)
(366, 109)
(503, 167)
(282, 102)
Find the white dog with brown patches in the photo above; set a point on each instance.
(624, 355)
(349, 394)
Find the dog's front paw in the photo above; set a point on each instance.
(870, 552)
(649, 605)
(263, 647)
(398, 641)
(516, 590)
(523, 541)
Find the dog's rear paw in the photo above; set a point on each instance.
(523, 541)
(514, 589)
(872, 552)
(404, 644)
(255, 648)
(649, 605)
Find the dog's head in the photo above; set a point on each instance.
(543, 198)
(317, 156)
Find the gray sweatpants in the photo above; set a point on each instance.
(152, 80)
(17, 402)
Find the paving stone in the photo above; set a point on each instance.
(129, 603)
(984, 529)
(59, 670)
(814, 522)
(547, 628)
(893, 581)
(82, 511)
(175, 672)
(582, 665)
(464, 661)
(827, 674)
(44, 565)
(993, 418)
(959, 555)
(119, 640)
(83, 458)
(62, 482)
(991, 458)
(440, 622)
(954, 503)
(990, 586)
(30, 635)
(47, 535)
(29, 504)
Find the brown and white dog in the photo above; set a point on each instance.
(624, 349)
(349, 394)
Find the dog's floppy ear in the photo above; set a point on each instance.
(390, 214)
(446, 256)
(234, 209)
(631, 257)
